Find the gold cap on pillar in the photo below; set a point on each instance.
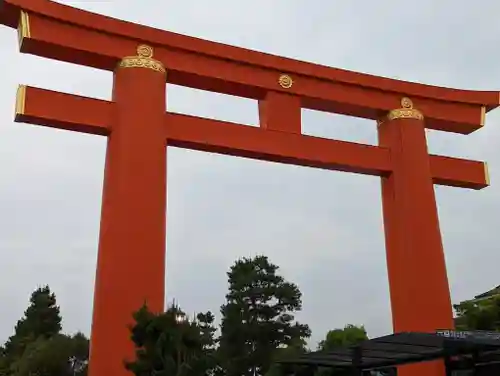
(143, 59)
(405, 112)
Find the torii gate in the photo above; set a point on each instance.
(131, 259)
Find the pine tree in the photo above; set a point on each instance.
(170, 344)
(258, 318)
(42, 318)
(60, 355)
(37, 346)
(4, 365)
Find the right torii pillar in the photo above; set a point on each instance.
(420, 294)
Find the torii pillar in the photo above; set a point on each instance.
(133, 211)
(414, 249)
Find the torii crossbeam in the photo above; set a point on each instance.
(131, 258)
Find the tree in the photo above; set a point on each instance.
(79, 355)
(258, 318)
(60, 355)
(349, 336)
(478, 314)
(37, 346)
(4, 365)
(42, 318)
(171, 344)
(208, 362)
(294, 350)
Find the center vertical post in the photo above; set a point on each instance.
(131, 258)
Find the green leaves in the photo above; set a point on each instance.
(37, 346)
(258, 328)
(478, 315)
(349, 336)
(258, 317)
(171, 344)
(60, 355)
(42, 318)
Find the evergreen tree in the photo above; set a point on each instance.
(292, 351)
(208, 362)
(37, 346)
(4, 366)
(59, 355)
(42, 318)
(171, 344)
(258, 318)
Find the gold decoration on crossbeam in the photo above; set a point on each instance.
(486, 173)
(285, 81)
(483, 116)
(143, 59)
(20, 100)
(23, 28)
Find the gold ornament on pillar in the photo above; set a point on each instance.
(405, 112)
(143, 59)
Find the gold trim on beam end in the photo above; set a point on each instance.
(23, 28)
(20, 100)
(483, 116)
(486, 173)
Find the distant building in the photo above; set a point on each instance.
(487, 295)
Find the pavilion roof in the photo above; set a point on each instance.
(492, 292)
(400, 348)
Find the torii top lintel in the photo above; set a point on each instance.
(61, 32)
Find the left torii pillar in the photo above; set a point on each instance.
(131, 256)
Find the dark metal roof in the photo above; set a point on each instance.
(494, 291)
(489, 357)
(397, 349)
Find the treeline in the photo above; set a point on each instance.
(258, 327)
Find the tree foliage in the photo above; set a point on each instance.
(258, 317)
(171, 344)
(42, 318)
(258, 328)
(38, 348)
(60, 355)
(478, 315)
(291, 351)
(348, 336)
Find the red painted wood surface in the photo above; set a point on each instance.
(131, 259)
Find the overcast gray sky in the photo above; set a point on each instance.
(323, 228)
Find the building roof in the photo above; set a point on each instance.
(490, 293)
(398, 349)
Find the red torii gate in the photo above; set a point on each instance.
(131, 259)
